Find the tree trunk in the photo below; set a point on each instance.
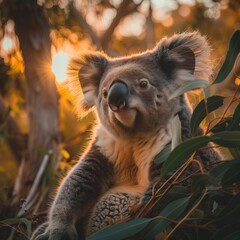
(32, 29)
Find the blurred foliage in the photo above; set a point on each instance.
(80, 25)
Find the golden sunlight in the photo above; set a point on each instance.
(59, 65)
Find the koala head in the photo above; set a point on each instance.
(131, 93)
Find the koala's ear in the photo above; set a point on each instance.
(185, 54)
(90, 67)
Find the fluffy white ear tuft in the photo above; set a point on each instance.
(87, 69)
(187, 51)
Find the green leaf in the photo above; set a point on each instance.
(219, 171)
(235, 152)
(163, 155)
(231, 176)
(234, 124)
(207, 92)
(200, 111)
(234, 49)
(233, 236)
(196, 83)
(172, 211)
(121, 230)
(231, 211)
(19, 221)
(221, 126)
(199, 181)
(182, 152)
(229, 139)
(237, 67)
(176, 131)
(226, 231)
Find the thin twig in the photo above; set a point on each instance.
(186, 216)
(78, 15)
(152, 204)
(36, 182)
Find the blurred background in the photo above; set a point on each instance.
(41, 134)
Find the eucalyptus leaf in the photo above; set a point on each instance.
(195, 84)
(225, 231)
(235, 152)
(176, 131)
(230, 212)
(201, 180)
(172, 211)
(229, 139)
(237, 66)
(207, 92)
(233, 236)
(234, 201)
(221, 126)
(163, 155)
(235, 122)
(121, 230)
(19, 221)
(234, 49)
(218, 171)
(231, 176)
(202, 109)
(182, 152)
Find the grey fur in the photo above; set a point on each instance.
(118, 168)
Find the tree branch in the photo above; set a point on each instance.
(122, 11)
(126, 7)
(133, 8)
(78, 15)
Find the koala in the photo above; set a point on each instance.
(130, 95)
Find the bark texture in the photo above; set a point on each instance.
(32, 29)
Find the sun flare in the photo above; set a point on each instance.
(59, 65)
(7, 44)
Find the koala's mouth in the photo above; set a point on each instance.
(126, 117)
(118, 103)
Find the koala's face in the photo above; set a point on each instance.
(131, 94)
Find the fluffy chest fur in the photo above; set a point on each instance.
(132, 157)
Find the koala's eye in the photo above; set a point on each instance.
(143, 84)
(105, 93)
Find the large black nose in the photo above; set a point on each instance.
(118, 95)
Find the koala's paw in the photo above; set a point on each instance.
(39, 231)
(65, 232)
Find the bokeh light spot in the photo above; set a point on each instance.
(59, 66)
(7, 44)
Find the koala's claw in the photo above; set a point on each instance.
(66, 233)
(63, 233)
(39, 233)
(41, 237)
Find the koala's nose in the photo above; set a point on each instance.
(118, 95)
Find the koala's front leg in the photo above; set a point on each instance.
(78, 192)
